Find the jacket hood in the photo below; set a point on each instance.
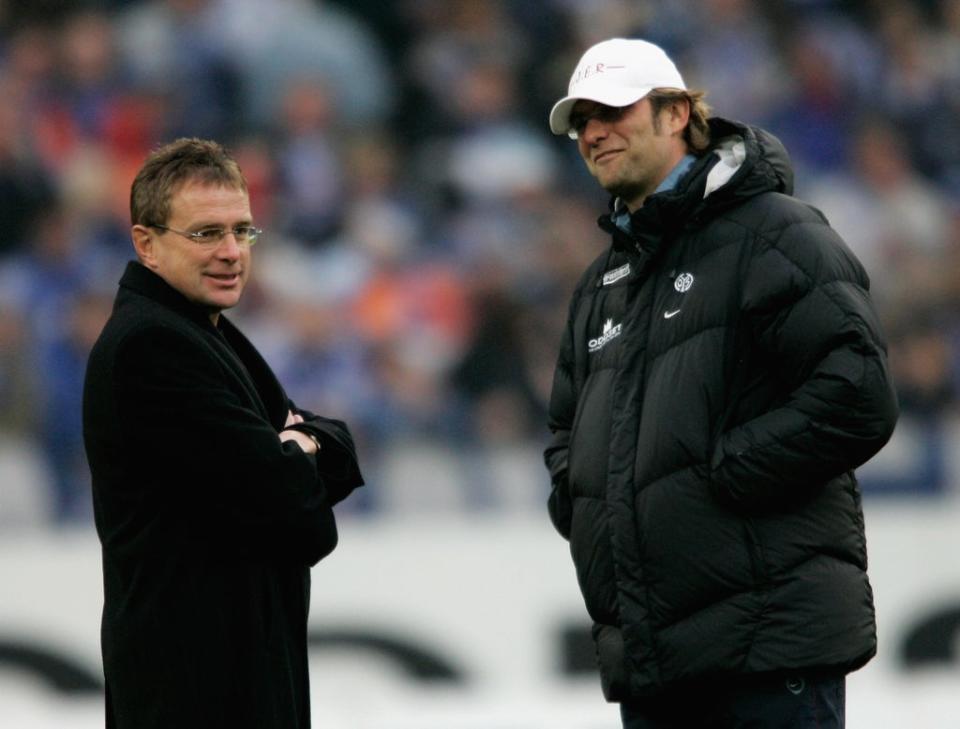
(743, 161)
(764, 165)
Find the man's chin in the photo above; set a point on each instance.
(216, 304)
(611, 182)
(620, 190)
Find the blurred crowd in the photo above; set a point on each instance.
(424, 229)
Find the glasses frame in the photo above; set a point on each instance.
(197, 237)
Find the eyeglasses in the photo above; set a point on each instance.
(245, 235)
(601, 112)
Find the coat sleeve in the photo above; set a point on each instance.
(337, 464)
(563, 405)
(809, 314)
(206, 461)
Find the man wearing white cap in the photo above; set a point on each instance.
(721, 375)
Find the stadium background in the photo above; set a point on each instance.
(423, 234)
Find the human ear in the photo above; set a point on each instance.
(678, 115)
(143, 245)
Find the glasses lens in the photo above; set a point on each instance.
(209, 236)
(246, 234)
(577, 124)
(603, 114)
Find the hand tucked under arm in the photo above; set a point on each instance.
(306, 443)
(338, 467)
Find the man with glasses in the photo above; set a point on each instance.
(721, 375)
(212, 491)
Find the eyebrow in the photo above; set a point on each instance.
(204, 226)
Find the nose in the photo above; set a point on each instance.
(229, 248)
(594, 131)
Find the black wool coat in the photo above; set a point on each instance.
(722, 374)
(208, 523)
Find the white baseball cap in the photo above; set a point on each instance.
(615, 72)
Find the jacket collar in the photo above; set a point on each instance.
(744, 161)
(662, 214)
(139, 279)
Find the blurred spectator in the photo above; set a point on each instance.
(310, 40)
(175, 51)
(506, 373)
(25, 189)
(309, 176)
(895, 221)
(922, 365)
(63, 362)
(53, 297)
(87, 92)
(921, 92)
(413, 313)
(812, 121)
(723, 53)
(493, 373)
(25, 185)
(454, 40)
(18, 384)
(99, 215)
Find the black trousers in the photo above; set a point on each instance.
(764, 701)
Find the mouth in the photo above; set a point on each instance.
(225, 279)
(605, 155)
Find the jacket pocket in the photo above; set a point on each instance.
(611, 659)
(590, 437)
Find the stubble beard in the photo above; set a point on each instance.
(626, 189)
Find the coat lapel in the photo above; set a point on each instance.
(256, 381)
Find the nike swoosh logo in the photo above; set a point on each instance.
(670, 314)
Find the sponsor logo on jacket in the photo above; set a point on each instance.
(611, 277)
(610, 332)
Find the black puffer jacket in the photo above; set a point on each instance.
(722, 373)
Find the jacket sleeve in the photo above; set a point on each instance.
(337, 465)
(563, 405)
(207, 462)
(807, 307)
